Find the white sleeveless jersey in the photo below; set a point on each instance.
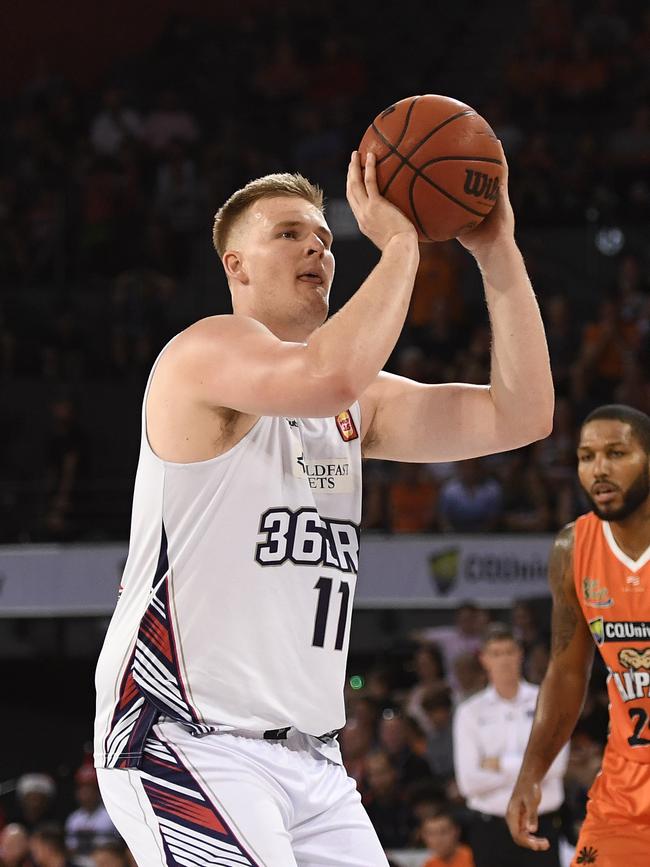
(237, 592)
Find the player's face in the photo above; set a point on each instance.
(288, 260)
(613, 469)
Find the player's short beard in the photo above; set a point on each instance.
(635, 495)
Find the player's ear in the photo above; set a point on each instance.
(233, 264)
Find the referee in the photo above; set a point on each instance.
(490, 733)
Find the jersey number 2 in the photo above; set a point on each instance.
(324, 587)
(641, 721)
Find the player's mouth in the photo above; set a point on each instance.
(604, 492)
(312, 277)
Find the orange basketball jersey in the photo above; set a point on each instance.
(614, 593)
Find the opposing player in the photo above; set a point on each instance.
(220, 684)
(600, 578)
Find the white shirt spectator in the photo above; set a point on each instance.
(114, 124)
(86, 829)
(487, 726)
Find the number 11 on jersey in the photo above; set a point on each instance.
(324, 587)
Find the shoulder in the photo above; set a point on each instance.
(209, 339)
(562, 551)
(219, 327)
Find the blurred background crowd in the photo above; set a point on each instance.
(108, 186)
(107, 194)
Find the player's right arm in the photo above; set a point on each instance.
(236, 362)
(561, 694)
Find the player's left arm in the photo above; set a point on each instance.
(405, 420)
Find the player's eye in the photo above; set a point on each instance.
(288, 233)
(584, 458)
(617, 453)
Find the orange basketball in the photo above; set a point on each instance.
(438, 161)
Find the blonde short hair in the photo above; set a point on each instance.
(279, 184)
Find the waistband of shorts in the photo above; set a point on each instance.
(280, 734)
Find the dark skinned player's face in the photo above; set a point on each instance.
(613, 469)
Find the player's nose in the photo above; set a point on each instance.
(601, 466)
(315, 245)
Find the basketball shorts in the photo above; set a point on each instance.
(616, 830)
(238, 801)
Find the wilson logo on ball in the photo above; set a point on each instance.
(481, 185)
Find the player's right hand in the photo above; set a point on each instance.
(377, 218)
(521, 817)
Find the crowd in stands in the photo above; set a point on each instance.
(107, 197)
(397, 744)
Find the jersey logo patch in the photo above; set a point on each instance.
(588, 855)
(630, 657)
(619, 630)
(347, 428)
(594, 595)
(329, 475)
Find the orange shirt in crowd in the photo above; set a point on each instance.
(462, 858)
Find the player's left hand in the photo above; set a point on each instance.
(521, 817)
(498, 226)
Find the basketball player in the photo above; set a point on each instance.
(600, 578)
(220, 684)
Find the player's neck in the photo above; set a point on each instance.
(632, 535)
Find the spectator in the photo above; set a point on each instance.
(490, 734)
(561, 335)
(441, 836)
(394, 740)
(48, 847)
(468, 676)
(36, 800)
(606, 345)
(169, 122)
(114, 124)
(438, 706)
(356, 741)
(472, 502)
(386, 803)
(412, 496)
(465, 636)
(89, 825)
(430, 676)
(178, 202)
(526, 507)
(14, 846)
(109, 855)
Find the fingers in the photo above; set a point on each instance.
(529, 818)
(355, 187)
(503, 158)
(370, 175)
(522, 821)
(530, 841)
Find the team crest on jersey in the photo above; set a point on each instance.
(594, 595)
(587, 855)
(347, 428)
